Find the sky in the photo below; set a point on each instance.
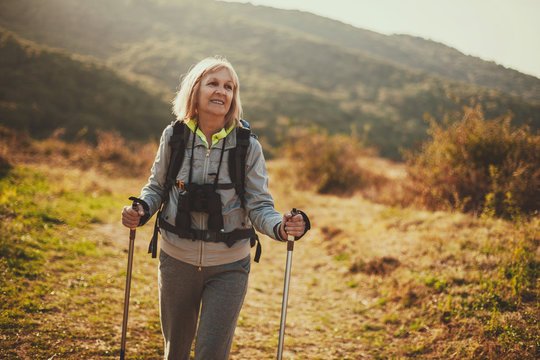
(504, 31)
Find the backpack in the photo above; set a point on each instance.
(237, 172)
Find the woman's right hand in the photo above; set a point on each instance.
(132, 217)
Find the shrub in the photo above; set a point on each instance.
(117, 156)
(326, 164)
(5, 165)
(478, 165)
(111, 154)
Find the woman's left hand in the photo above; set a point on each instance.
(292, 225)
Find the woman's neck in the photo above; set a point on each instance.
(210, 125)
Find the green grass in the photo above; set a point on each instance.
(58, 294)
(34, 214)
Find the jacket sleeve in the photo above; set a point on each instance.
(153, 193)
(259, 202)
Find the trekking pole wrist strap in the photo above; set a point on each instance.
(144, 219)
(306, 221)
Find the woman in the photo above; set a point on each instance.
(198, 271)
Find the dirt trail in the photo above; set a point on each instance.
(320, 320)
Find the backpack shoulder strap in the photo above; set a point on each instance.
(237, 161)
(237, 171)
(177, 142)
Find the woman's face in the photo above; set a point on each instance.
(215, 93)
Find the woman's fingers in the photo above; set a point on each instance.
(295, 225)
(294, 228)
(131, 217)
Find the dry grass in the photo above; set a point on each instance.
(112, 154)
(370, 281)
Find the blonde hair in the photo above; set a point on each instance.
(185, 102)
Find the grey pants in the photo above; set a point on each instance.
(217, 291)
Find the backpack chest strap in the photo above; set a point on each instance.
(209, 236)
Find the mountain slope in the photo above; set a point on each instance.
(294, 72)
(43, 89)
(409, 51)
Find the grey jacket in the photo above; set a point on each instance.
(259, 205)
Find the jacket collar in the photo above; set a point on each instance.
(228, 134)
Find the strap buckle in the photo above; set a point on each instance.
(180, 185)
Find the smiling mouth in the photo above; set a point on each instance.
(219, 102)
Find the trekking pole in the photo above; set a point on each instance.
(290, 248)
(128, 287)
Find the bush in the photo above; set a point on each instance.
(480, 166)
(326, 164)
(112, 154)
(117, 156)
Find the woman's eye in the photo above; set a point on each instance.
(228, 87)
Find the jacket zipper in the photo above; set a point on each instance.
(205, 171)
(200, 255)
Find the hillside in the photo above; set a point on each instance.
(404, 50)
(42, 90)
(296, 69)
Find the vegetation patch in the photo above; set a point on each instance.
(111, 153)
(44, 254)
(479, 166)
(328, 164)
(377, 266)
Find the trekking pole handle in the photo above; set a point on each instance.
(135, 207)
(290, 238)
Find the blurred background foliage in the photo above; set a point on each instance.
(469, 164)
